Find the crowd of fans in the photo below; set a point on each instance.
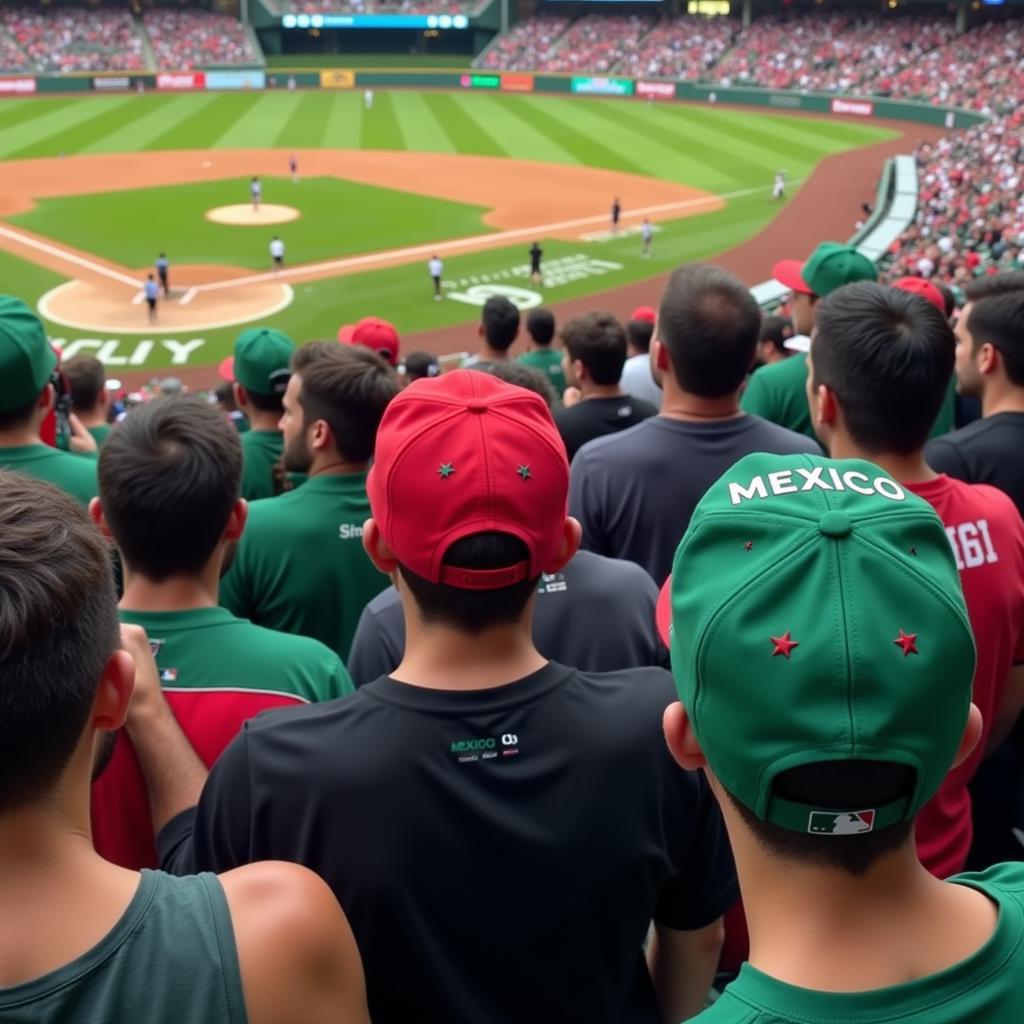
(596, 43)
(186, 39)
(12, 56)
(75, 39)
(467, 7)
(526, 46)
(685, 48)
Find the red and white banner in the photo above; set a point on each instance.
(182, 81)
(862, 108)
(656, 90)
(9, 85)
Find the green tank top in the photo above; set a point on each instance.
(171, 959)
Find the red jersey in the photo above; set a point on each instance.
(987, 536)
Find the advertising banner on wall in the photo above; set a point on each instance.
(603, 86)
(515, 82)
(656, 90)
(180, 81)
(336, 79)
(17, 85)
(862, 108)
(236, 80)
(112, 83)
(480, 81)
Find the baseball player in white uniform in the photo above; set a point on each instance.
(436, 268)
(277, 252)
(780, 185)
(256, 193)
(368, 99)
(646, 234)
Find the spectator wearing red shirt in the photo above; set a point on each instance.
(878, 372)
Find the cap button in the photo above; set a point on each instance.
(477, 405)
(835, 524)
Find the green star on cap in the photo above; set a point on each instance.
(524, 472)
(445, 470)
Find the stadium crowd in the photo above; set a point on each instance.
(74, 39)
(685, 48)
(186, 39)
(466, 7)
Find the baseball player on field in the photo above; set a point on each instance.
(161, 272)
(277, 252)
(436, 268)
(256, 193)
(779, 186)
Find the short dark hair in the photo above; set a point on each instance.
(776, 329)
(225, 395)
(999, 321)
(522, 376)
(169, 476)
(265, 403)
(58, 629)
(990, 285)
(888, 355)
(87, 380)
(639, 334)
(500, 319)
(12, 419)
(831, 784)
(598, 341)
(709, 323)
(349, 387)
(540, 325)
(473, 611)
(948, 298)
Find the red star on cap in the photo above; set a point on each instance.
(748, 545)
(908, 641)
(783, 644)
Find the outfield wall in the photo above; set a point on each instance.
(652, 90)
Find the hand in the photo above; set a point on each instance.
(570, 397)
(81, 441)
(147, 693)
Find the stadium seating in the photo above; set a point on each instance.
(527, 45)
(13, 57)
(74, 39)
(187, 39)
(467, 7)
(681, 48)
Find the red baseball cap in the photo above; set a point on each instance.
(646, 313)
(919, 286)
(466, 453)
(226, 369)
(372, 332)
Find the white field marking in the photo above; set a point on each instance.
(68, 257)
(139, 296)
(187, 297)
(155, 330)
(369, 259)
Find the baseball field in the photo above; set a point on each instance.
(92, 189)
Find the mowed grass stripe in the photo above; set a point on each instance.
(467, 135)
(380, 128)
(518, 135)
(203, 128)
(304, 123)
(261, 123)
(15, 112)
(343, 120)
(75, 138)
(420, 128)
(158, 112)
(43, 134)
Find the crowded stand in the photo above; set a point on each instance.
(467, 7)
(596, 43)
(13, 57)
(685, 48)
(526, 46)
(187, 39)
(75, 39)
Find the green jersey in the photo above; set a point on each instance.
(70, 473)
(260, 450)
(300, 565)
(100, 433)
(778, 393)
(983, 989)
(549, 362)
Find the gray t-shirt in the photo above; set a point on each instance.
(634, 492)
(596, 615)
(638, 381)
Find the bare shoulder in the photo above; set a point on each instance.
(298, 958)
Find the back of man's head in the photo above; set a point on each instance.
(87, 380)
(58, 629)
(523, 376)
(540, 325)
(348, 387)
(639, 334)
(709, 324)
(888, 358)
(990, 285)
(999, 321)
(776, 330)
(500, 323)
(169, 477)
(598, 341)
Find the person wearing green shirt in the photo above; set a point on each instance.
(777, 392)
(541, 355)
(300, 566)
(27, 394)
(260, 369)
(87, 378)
(824, 659)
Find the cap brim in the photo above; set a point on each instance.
(345, 334)
(798, 343)
(226, 370)
(663, 612)
(790, 273)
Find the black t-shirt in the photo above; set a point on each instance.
(634, 492)
(499, 853)
(596, 615)
(596, 417)
(987, 451)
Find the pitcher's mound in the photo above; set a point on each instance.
(245, 215)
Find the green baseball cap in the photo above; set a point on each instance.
(262, 361)
(27, 360)
(814, 613)
(829, 267)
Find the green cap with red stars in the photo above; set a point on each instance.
(814, 613)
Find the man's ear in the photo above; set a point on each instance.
(828, 405)
(377, 548)
(661, 360)
(236, 520)
(97, 516)
(47, 398)
(987, 358)
(681, 739)
(241, 395)
(321, 437)
(110, 705)
(973, 729)
(572, 537)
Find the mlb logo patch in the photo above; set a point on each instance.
(824, 823)
(168, 675)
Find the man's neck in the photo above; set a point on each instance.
(259, 419)
(331, 463)
(1002, 399)
(95, 418)
(492, 355)
(908, 469)
(179, 593)
(537, 347)
(677, 404)
(589, 390)
(19, 437)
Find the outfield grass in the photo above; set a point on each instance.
(726, 152)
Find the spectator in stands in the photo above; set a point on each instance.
(27, 394)
(66, 39)
(634, 491)
(188, 39)
(87, 379)
(499, 327)
(989, 365)
(637, 376)
(775, 332)
(83, 939)
(224, 395)
(472, 700)
(771, 674)
(169, 483)
(541, 354)
(879, 372)
(260, 369)
(595, 353)
(778, 393)
(416, 366)
(511, 371)
(300, 566)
